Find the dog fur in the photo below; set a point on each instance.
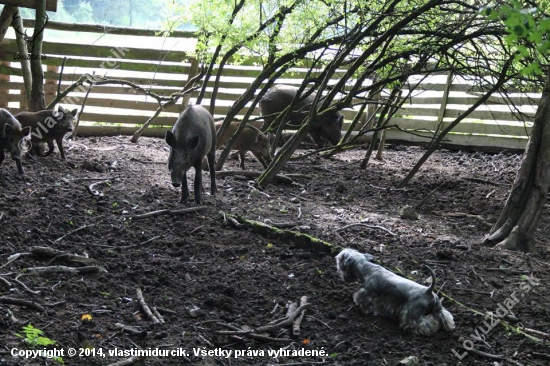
(417, 308)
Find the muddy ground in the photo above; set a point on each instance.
(208, 273)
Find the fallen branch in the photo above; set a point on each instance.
(250, 333)
(481, 219)
(301, 240)
(61, 269)
(143, 305)
(252, 174)
(77, 230)
(48, 252)
(134, 331)
(169, 212)
(25, 303)
(367, 226)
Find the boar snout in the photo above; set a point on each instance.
(176, 184)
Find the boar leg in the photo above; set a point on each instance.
(261, 159)
(184, 188)
(50, 147)
(1, 155)
(198, 182)
(317, 138)
(211, 156)
(242, 154)
(59, 142)
(19, 166)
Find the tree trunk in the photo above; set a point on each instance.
(25, 64)
(38, 102)
(5, 20)
(518, 220)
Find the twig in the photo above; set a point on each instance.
(61, 269)
(485, 354)
(13, 258)
(77, 230)
(26, 288)
(478, 276)
(429, 194)
(477, 180)
(367, 226)
(145, 307)
(5, 282)
(298, 320)
(93, 192)
(206, 341)
(157, 314)
(28, 304)
(168, 211)
(75, 131)
(128, 361)
(537, 332)
(60, 76)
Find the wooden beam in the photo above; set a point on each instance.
(108, 29)
(5, 20)
(51, 5)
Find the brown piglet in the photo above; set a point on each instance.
(47, 126)
(251, 139)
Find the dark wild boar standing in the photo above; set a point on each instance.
(12, 136)
(192, 137)
(279, 97)
(47, 126)
(251, 139)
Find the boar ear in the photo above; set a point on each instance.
(194, 142)
(74, 112)
(26, 131)
(340, 120)
(169, 138)
(271, 138)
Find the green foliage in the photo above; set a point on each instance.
(528, 30)
(33, 337)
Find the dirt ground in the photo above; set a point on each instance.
(211, 275)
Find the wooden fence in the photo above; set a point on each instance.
(119, 110)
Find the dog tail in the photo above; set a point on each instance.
(432, 285)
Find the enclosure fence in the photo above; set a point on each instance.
(114, 109)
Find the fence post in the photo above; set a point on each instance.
(4, 91)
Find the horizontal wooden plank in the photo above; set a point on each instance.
(9, 47)
(103, 29)
(51, 5)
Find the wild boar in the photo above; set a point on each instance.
(251, 139)
(12, 137)
(47, 126)
(280, 96)
(192, 137)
